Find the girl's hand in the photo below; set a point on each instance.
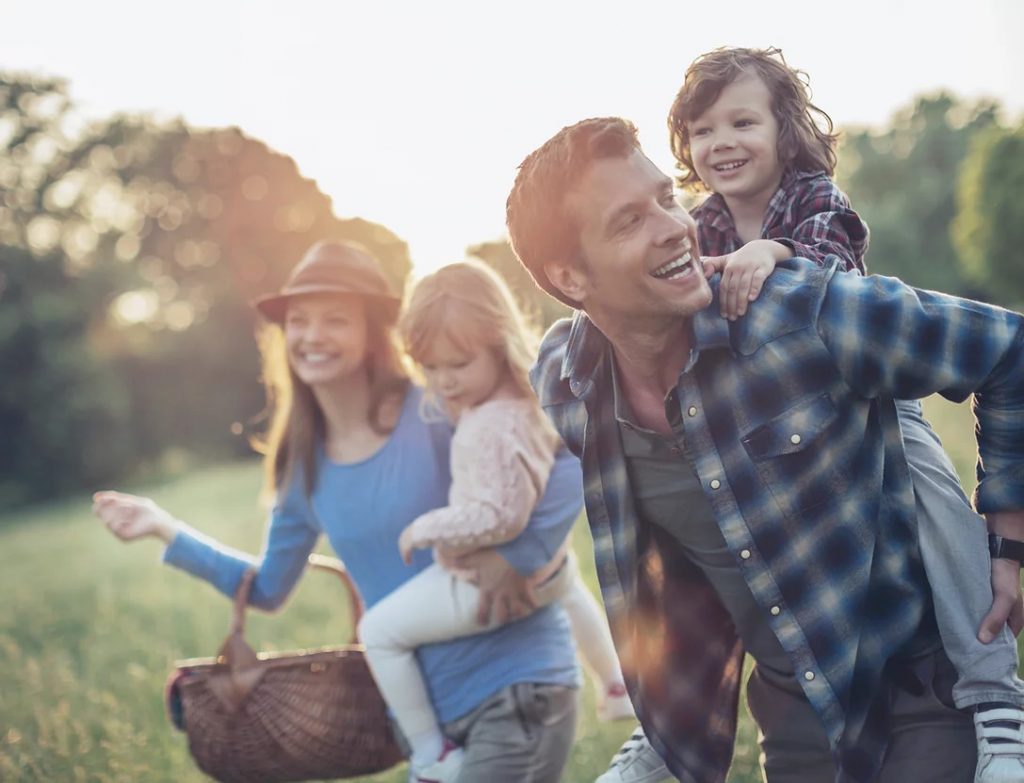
(130, 517)
(405, 545)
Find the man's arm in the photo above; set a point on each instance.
(890, 339)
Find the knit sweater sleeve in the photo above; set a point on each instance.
(502, 453)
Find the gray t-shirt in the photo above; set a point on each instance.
(668, 494)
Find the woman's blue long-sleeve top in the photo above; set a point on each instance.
(362, 508)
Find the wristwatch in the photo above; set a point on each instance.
(1008, 548)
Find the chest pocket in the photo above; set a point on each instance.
(792, 458)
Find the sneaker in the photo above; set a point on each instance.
(444, 770)
(616, 704)
(1000, 732)
(636, 762)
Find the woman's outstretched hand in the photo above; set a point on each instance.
(130, 517)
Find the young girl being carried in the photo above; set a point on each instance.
(743, 129)
(466, 333)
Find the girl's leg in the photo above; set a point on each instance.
(430, 607)
(594, 640)
(955, 553)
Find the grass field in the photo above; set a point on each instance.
(91, 628)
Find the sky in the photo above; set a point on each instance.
(416, 114)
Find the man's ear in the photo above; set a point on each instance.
(568, 277)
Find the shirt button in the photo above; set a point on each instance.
(745, 554)
(775, 611)
(715, 483)
(692, 411)
(795, 439)
(808, 676)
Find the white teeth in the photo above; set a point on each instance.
(729, 166)
(317, 357)
(673, 268)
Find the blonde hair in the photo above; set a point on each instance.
(296, 421)
(472, 307)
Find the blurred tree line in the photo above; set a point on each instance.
(129, 250)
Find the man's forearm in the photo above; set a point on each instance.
(1008, 524)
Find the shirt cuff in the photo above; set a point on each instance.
(199, 555)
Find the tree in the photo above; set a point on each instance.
(499, 255)
(129, 251)
(902, 181)
(989, 227)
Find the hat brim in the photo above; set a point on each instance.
(274, 306)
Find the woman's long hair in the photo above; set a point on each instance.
(296, 421)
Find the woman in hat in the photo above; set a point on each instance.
(349, 456)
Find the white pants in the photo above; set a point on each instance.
(435, 606)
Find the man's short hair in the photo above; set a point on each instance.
(540, 226)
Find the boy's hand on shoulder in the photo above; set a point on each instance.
(743, 274)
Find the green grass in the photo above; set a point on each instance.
(91, 627)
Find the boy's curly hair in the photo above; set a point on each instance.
(803, 143)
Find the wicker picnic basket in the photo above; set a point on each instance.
(270, 717)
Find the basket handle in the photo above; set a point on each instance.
(239, 654)
(241, 603)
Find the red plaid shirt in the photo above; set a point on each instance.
(808, 213)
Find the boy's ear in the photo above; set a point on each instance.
(569, 278)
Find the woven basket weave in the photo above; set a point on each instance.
(304, 715)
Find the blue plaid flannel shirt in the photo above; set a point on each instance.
(789, 416)
(808, 213)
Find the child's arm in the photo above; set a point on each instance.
(744, 272)
(498, 475)
(826, 226)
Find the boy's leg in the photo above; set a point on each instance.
(522, 733)
(954, 550)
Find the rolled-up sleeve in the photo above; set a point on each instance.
(889, 339)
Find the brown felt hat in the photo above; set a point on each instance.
(333, 268)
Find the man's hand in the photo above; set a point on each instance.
(743, 273)
(503, 591)
(1007, 604)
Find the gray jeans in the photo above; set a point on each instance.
(931, 739)
(954, 549)
(522, 734)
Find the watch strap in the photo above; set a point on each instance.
(1008, 548)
